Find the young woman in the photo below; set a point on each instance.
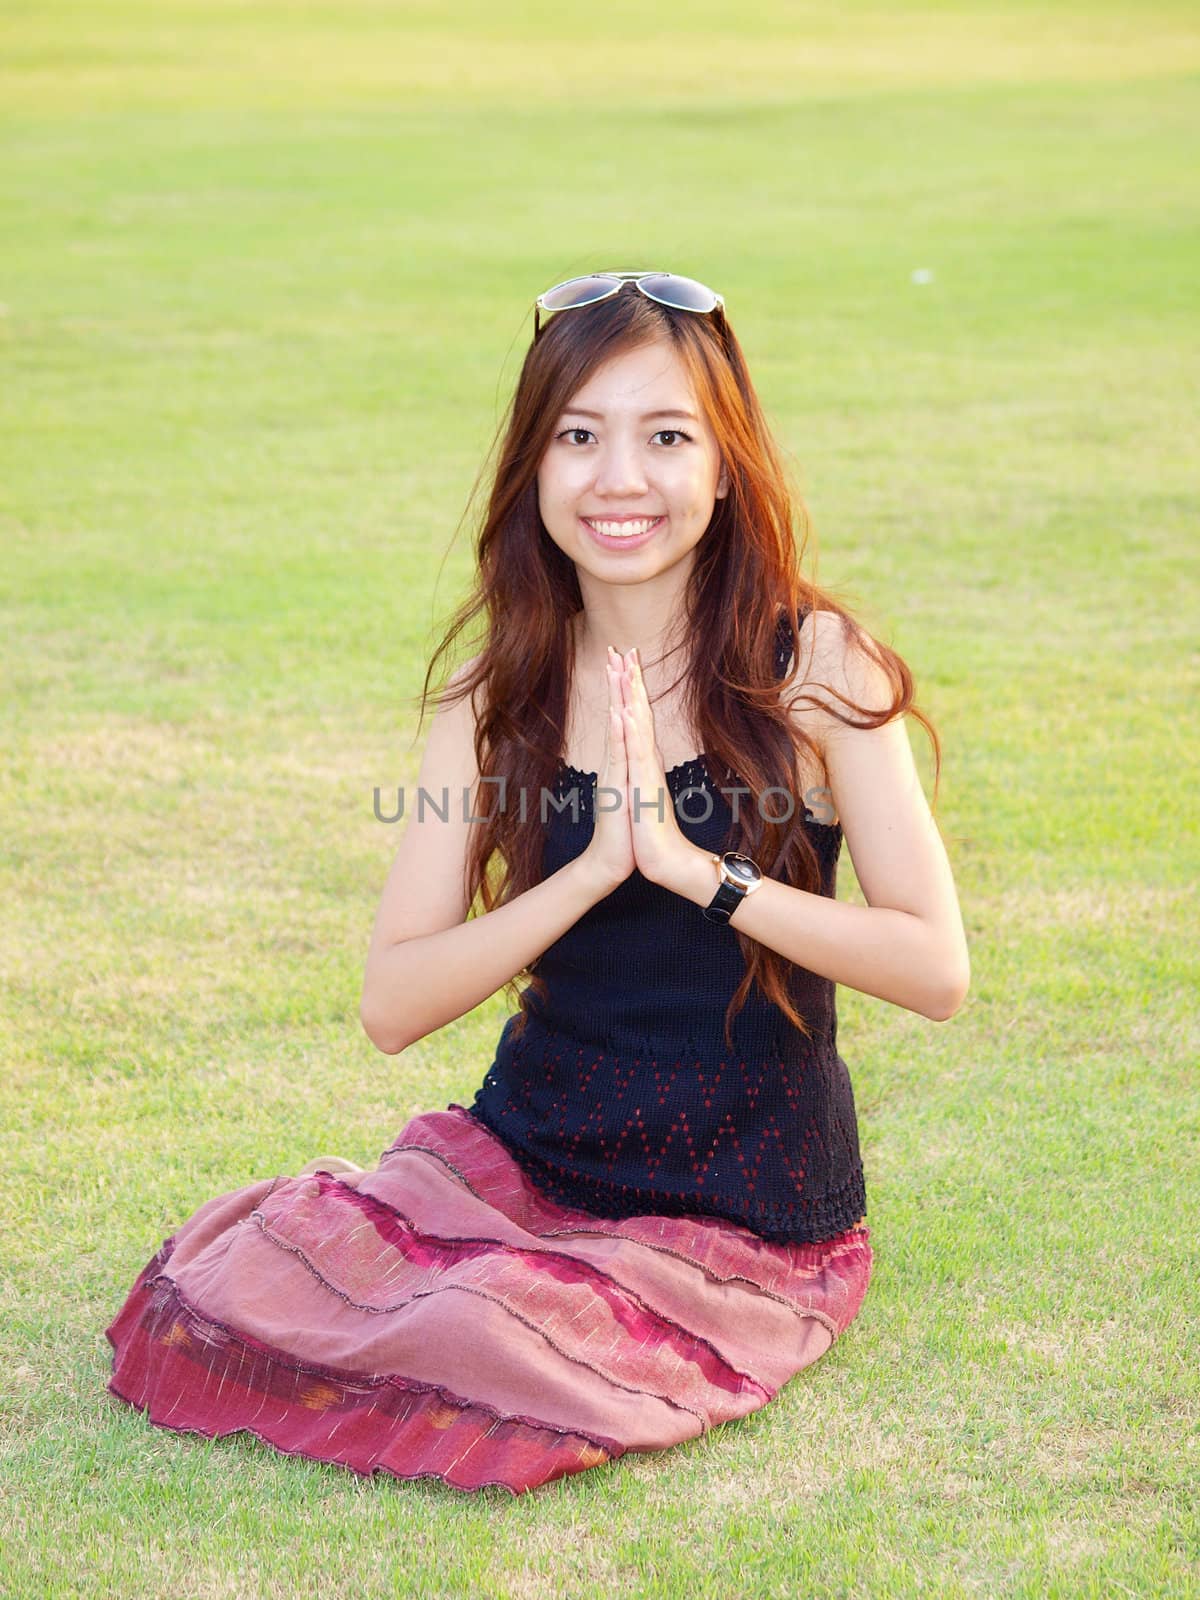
(653, 1213)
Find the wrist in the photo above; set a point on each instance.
(595, 882)
(692, 875)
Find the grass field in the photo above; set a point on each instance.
(266, 280)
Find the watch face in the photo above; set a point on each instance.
(741, 868)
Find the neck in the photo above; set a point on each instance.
(629, 616)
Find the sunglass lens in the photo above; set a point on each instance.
(685, 294)
(577, 292)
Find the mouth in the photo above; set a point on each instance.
(622, 532)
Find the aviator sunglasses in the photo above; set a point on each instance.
(681, 294)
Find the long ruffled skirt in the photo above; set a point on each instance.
(440, 1317)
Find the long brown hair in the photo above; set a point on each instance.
(746, 569)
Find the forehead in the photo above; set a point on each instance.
(636, 382)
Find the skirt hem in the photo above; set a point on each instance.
(439, 1318)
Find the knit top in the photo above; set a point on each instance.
(621, 1096)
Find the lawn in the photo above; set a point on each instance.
(266, 281)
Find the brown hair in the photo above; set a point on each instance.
(746, 568)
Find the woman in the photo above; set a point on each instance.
(653, 1213)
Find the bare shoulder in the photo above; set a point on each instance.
(833, 665)
(895, 844)
(455, 681)
(451, 731)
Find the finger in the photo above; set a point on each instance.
(632, 734)
(615, 701)
(641, 697)
(635, 697)
(639, 700)
(631, 672)
(615, 709)
(614, 678)
(614, 745)
(619, 753)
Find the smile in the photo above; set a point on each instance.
(624, 530)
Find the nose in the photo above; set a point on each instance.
(621, 472)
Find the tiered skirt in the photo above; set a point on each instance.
(439, 1317)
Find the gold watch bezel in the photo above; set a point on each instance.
(724, 877)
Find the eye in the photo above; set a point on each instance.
(673, 433)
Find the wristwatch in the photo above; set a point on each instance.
(739, 877)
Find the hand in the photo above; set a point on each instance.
(661, 851)
(609, 853)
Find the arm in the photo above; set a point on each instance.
(427, 964)
(907, 945)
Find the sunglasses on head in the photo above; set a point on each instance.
(681, 294)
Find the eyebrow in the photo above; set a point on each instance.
(647, 416)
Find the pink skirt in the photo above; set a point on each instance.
(439, 1317)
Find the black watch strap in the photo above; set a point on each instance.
(724, 903)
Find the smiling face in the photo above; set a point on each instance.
(627, 485)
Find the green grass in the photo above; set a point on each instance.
(266, 280)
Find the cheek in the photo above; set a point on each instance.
(696, 490)
(549, 496)
(557, 484)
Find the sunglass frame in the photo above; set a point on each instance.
(620, 279)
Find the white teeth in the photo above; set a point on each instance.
(622, 530)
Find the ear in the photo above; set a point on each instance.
(723, 482)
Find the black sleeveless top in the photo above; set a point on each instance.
(621, 1096)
